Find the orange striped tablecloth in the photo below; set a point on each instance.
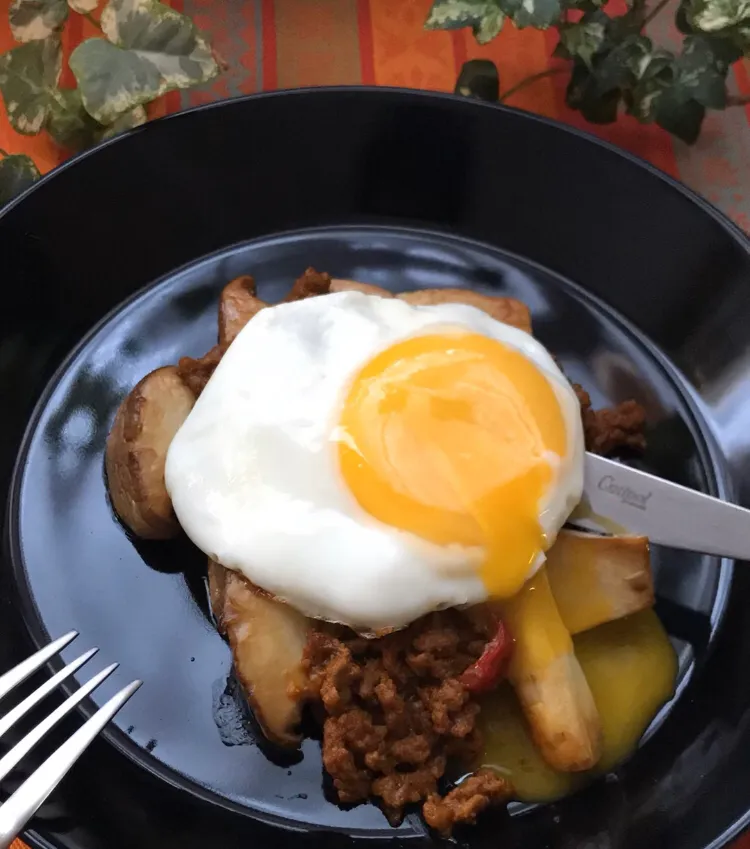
(271, 44)
(286, 43)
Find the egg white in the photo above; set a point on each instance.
(253, 472)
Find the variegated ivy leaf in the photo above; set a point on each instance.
(582, 40)
(583, 94)
(17, 173)
(33, 20)
(715, 16)
(625, 64)
(489, 26)
(28, 82)
(151, 50)
(540, 14)
(69, 124)
(127, 121)
(701, 69)
(680, 115)
(656, 77)
(675, 91)
(83, 7)
(485, 17)
(597, 90)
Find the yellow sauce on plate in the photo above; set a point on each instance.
(631, 668)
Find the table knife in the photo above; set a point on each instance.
(618, 499)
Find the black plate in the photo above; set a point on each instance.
(413, 190)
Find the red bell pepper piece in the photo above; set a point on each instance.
(486, 673)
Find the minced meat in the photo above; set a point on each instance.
(394, 712)
(612, 429)
(465, 801)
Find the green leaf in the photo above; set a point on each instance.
(485, 17)
(83, 7)
(112, 80)
(489, 26)
(679, 115)
(675, 91)
(715, 16)
(584, 95)
(681, 19)
(656, 78)
(17, 173)
(151, 50)
(623, 66)
(28, 82)
(69, 124)
(34, 20)
(701, 71)
(583, 5)
(582, 40)
(540, 14)
(127, 121)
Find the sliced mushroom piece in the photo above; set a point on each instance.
(597, 579)
(508, 310)
(136, 452)
(365, 288)
(195, 373)
(237, 305)
(267, 639)
(549, 682)
(310, 284)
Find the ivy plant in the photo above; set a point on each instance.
(145, 50)
(613, 66)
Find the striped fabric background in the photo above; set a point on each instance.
(286, 43)
(271, 44)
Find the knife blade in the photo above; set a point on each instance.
(618, 499)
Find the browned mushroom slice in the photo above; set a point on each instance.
(237, 305)
(309, 285)
(548, 680)
(195, 373)
(268, 639)
(508, 310)
(136, 452)
(365, 288)
(596, 579)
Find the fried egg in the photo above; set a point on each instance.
(369, 461)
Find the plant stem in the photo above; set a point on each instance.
(655, 11)
(92, 20)
(527, 81)
(4, 152)
(738, 100)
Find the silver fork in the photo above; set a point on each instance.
(24, 803)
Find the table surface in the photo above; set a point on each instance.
(271, 44)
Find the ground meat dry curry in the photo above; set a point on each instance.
(395, 711)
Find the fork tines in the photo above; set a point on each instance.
(26, 800)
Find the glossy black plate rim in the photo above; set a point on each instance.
(717, 474)
(736, 232)
(728, 226)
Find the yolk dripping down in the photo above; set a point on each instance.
(451, 437)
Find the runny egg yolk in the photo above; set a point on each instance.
(454, 437)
